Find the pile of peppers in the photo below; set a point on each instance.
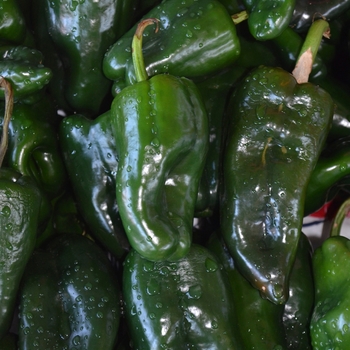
(157, 160)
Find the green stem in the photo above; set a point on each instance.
(308, 52)
(239, 17)
(137, 56)
(5, 84)
(339, 218)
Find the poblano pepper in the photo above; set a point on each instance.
(186, 304)
(185, 45)
(277, 130)
(90, 155)
(19, 213)
(268, 19)
(69, 297)
(161, 134)
(330, 321)
(81, 32)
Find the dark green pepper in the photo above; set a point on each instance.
(277, 130)
(22, 66)
(305, 12)
(69, 297)
(81, 32)
(260, 321)
(161, 134)
(329, 174)
(33, 148)
(185, 45)
(90, 156)
(185, 304)
(330, 321)
(19, 212)
(268, 19)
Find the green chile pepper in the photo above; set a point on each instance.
(161, 134)
(330, 174)
(277, 130)
(185, 45)
(22, 66)
(260, 321)
(268, 19)
(299, 306)
(33, 148)
(69, 297)
(185, 304)
(330, 321)
(81, 32)
(90, 155)
(19, 212)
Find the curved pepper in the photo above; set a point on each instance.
(33, 148)
(81, 32)
(19, 212)
(161, 134)
(277, 130)
(89, 151)
(185, 45)
(330, 321)
(330, 174)
(22, 66)
(177, 305)
(268, 19)
(71, 300)
(305, 11)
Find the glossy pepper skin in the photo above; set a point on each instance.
(184, 46)
(330, 320)
(176, 305)
(330, 174)
(276, 133)
(305, 11)
(72, 299)
(161, 153)
(299, 306)
(90, 155)
(81, 32)
(19, 212)
(260, 321)
(33, 148)
(22, 66)
(268, 19)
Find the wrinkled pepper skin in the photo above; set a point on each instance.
(277, 129)
(185, 44)
(299, 306)
(81, 32)
(22, 66)
(90, 155)
(69, 297)
(161, 132)
(33, 148)
(260, 321)
(268, 19)
(19, 212)
(179, 305)
(330, 321)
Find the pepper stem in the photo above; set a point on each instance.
(137, 56)
(5, 84)
(339, 218)
(239, 17)
(308, 52)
